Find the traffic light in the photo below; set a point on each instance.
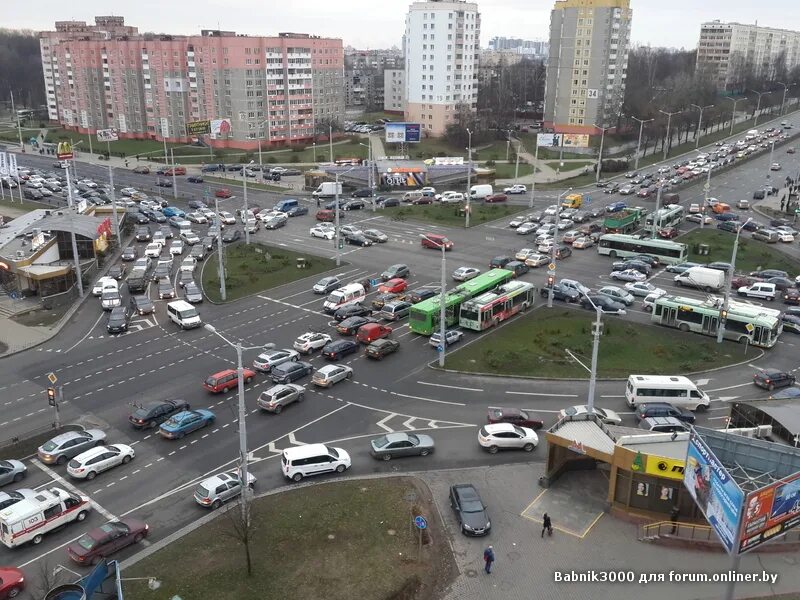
(51, 396)
(723, 314)
(551, 280)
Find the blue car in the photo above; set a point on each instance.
(296, 211)
(616, 207)
(185, 422)
(173, 211)
(209, 169)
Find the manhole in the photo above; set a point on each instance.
(331, 536)
(471, 573)
(391, 532)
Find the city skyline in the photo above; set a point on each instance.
(362, 29)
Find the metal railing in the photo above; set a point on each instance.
(697, 533)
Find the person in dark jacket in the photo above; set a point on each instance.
(488, 558)
(547, 525)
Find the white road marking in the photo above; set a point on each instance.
(382, 423)
(730, 387)
(543, 394)
(87, 333)
(427, 399)
(452, 387)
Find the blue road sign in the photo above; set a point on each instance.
(420, 522)
(440, 348)
(374, 282)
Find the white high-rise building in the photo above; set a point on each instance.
(441, 62)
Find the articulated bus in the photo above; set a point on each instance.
(618, 245)
(489, 309)
(669, 216)
(424, 316)
(755, 325)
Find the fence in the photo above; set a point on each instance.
(60, 299)
(697, 533)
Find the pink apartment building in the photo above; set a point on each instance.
(149, 86)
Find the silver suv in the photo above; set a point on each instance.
(278, 396)
(216, 490)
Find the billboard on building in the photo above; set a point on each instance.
(220, 127)
(402, 133)
(575, 140)
(3, 164)
(403, 177)
(770, 512)
(107, 135)
(198, 127)
(548, 140)
(716, 493)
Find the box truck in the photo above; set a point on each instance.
(328, 189)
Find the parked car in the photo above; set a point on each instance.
(473, 520)
(97, 544)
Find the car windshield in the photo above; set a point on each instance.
(87, 542)
(471, 506)
(381, 442)
(49, 446)
(333, 453)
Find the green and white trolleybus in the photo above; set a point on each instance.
(618, 245)
(489, 309)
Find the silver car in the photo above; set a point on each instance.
(65, 446)
(10, 498)
(376, 235)
(216, 490)
(275, 398)
(12, 471)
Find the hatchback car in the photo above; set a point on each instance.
(118, 320)
(396, 445)
(394, 286)
(339, 349)
(501, 436)
(216, 490)
(769, 379)
(67, 445)
(226, 380)
(98, 459)
(271, 358)
(12, 471)
(451, 337)
(291, 371)
(329, 375)
(97, 544)
(279, 396)
(178, 425)
(465, 273)
(473, 520)
(326, 285)
(514, 416)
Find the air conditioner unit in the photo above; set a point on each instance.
(763, 431)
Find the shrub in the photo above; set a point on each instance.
(490, 163)
(294, 159)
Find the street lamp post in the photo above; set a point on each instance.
(785, 89)
(733, 112)
(700, 123)
(639, 145)
(668, 142)
(336, 217)
(600, 155)
(243, 458)
(469, 177)
(758, 106)
(261, 164)
(706, 191)
(552, 266)
(726, 302)
(370, 185)
(70, 205)
(244, 214)
(330, 143)
(19, 125)
(222, 291)
(174, 175)
(442, 298)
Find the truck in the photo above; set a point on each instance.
(573, 201)
(327, 189)
(624, 221)
(137, 281)
(702, 278)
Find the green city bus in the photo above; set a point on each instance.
(424, 316)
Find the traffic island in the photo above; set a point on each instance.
(537, 345)
(345, 540)
(751, 255)
(452, 214)
(254, 268)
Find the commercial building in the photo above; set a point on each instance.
(728, 53)
(588, 63)
(441, 59)
(394, 91)
(148, 86)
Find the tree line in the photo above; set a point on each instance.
(21, 68)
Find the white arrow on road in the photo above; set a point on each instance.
(725, 398)
(382, 423)
(271, 447)
(702, 382)
(293, 440)
(407, 423)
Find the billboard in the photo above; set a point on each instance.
(400, 133)
(220, 127)
(64, 151)
(548, 140)
(107, 135)
(164, 127)
(770, 512)
(12, 163)
(3, 164)
(198, 127)
(403, 177)
(575, 140)
(714, 491)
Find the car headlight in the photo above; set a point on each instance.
(488, 524)
(468, 527)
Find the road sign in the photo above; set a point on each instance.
(51, 377)
(552, 266)
(749, 327)
(374, 282)
(420, 522)
(440, 348)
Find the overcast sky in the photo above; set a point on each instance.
(380, 23)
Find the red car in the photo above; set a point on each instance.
(12, 582)
(393, 286)
(327, 215)
(668, 233)
(223, 193)
(435, 241)
(97, 544)
(491, 199)
(514, 416)
(226, 380)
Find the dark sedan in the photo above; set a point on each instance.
(129, 253)
(469, 510)
(604, 303)
(396, 445)
(97, 544)
(514, 416)
(351, 324)
(353, 310)
(152, 414)
(383, 347)
(561, 292)
(340, 348)
(358, 240)
(142, 305)
(231, 235)
(118, 320)
(637, 265)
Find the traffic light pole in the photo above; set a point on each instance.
(54, 397)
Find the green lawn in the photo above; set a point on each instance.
(431, 147)
(338, 541)
(507, 170)
(449, 214)
(570, 166)
(751, 255)
(16, 205)
(258, 267)
(237, 182)
(536, 345)
(572, 182)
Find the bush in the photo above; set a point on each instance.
(490, 163)
(294, 159)
(272, 160)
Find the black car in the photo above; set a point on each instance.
(612, 188)
(332, 204)
(421, 294)
(596, 211)
(291, 371)
(354, 205)
(387, 202)
(362, 193)
(561, 292)
(769, 379)
(231, 235)
(194, 179)
(198, 251)
(192, 293)
(604, 303)
(353, 310)
(185, 278)
(358, 240)
(143, 234)
(164, 183)
(162, 272)
(296, 211)
(208, 242)
(153, 414)
(645, 258)
(117, 271)
(622, 265)
(129, 253)
(165, 290)
(118, 320)
(142, 305)
(351, 324)
(663, 409)
(339, 348)
(142, 219)
(781, 283)
(730, 226)
(767, 273)
(469, 509)
(719, 266)
(791, 323)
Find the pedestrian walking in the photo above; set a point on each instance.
(547, 525)
(673, 516)
(126, 163)
(783, 202)
(488, 558)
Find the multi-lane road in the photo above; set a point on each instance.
(104, 376)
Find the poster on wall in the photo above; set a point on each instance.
(402, 133)
(575, 140)
(770, 511)
(198, 127)
(403, 178)
(220, 127)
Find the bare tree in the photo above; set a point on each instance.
(241, 529)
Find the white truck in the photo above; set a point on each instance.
(328, 189)
(702, 278)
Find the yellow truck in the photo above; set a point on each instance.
(572, 201)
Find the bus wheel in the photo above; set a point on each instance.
(742, 340)
(683, 327)
(613, 254)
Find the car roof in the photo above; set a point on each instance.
(499, 427)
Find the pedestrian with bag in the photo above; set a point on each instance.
(488, 558)
(547, 525)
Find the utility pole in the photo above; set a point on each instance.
(533, 180)
(222, 291)
(78, 276)
(174, 176)
(668, 142)
(700, 123)
(639, 145)
(469, 177)
(600, 154)
(758, 106)
(552, 266)
(726, 302)
(19, 125)
(733, 113)
(442, 302)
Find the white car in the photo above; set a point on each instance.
(517, 188)
(153, 250)
(103, 283)
(350, 230)
(775, 167)
(609, 417)
(326, 233)
(331, 374)
(465, 273)
(272, 358)
(501, 436)
(523, 254)
(546, 247)
(628, 275)
(643, 288)
(694, 208)
(517, 221)
(527, 227)
(110, 298)
(188, 265)
(697, 218)
(176, 248)
(190, 238)
(308, 342)
(565, 224)
(537, 260)
(100, 458)
(785, 236)
(551, 210)
(428, 190)
(128, 191)
(207, 213)
(227, 218)
(197, 217)
(452, 198)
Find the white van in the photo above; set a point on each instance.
(29, 519)
(352, 293)
(751, 135)
(412, 196)
(479, 192)
(313, 459)
(702, 278)
(183, 314)
(675, 389)
(766, 291)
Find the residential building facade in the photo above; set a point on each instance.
(728, 52)
(364, 79)
(587, 64)
(533, 48)
(441, 62)
(394, 91)
(149, 86)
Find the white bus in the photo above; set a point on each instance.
(675, 389)
(669, 216)
(619, 245)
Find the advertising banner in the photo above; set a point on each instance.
(107, 135)
(448, 160)
(84, 119)
(165, 127)
(64, 150)
(3, 164)
(400, 133)
(12, 163)
(575, 140)
(668, 468)
(198, 127)
(770, 512)
(548, 140)
(714, 491)
(403, 179)
(220, 127)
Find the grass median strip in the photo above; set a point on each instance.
(751, 255)
(342, 540)
(536, 346)
(450, 214)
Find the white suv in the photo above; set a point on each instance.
(758, 290)
(506, 435)
(313, 459)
